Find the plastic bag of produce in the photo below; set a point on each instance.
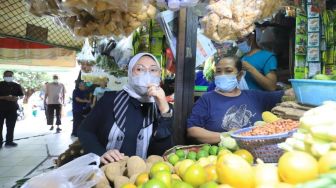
(78, 173)
(86, 54)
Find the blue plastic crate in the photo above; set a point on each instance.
(314, 92)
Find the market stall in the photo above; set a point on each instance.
(292, 147)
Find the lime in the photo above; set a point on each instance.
(180, 153)
(173, 159)
(192, 155)
(206, 148)
(213, 150)
(201, 154)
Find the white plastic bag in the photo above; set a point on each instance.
(242, 85)
(75, 174)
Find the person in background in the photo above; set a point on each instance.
(227, 107)
(42, 95)
(80, 102)
(260, 65)
(54, 98)
(10, 92)
(134, 121)
(99, 91)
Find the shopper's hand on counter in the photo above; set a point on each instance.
(159, 96)
(289, 92)
(111, 156)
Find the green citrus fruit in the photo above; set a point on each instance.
(206, 148)
(201, 153)
(213, 150)
(192, 155)
(173, 159)
(180, 153)
(154, 183)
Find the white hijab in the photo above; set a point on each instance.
(128, 87)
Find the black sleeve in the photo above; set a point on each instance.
(88, 132)
(19, 91)
(162, 135)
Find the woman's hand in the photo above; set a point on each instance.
(111, 156)
(247, 66)
(159, 96)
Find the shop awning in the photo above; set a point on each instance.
(19, 52)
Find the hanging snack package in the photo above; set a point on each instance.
(44, 7)
(230, 20)
(131, 6)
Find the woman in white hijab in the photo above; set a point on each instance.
(134, 121)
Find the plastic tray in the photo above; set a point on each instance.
(314, 92)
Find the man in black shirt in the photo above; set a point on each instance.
(10, 92)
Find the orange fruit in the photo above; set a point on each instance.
(234, 171)
(211, 172)
(195, 175)
(297, 167)
(129, 185)
(159, 166)
(245, 154)
(327, 162)
(142, 178)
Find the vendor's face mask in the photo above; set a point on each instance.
(141, 82)
(226, 83)
(8, 79)
(244, 47)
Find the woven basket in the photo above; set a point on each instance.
(186, 149)
(262, 147)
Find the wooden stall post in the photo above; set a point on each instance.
(185, 72)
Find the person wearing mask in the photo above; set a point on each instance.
(10, 92)
(80, 103)
(227, 107)
(134, 121)
(99, 91)
(54, 98)
(260, 65)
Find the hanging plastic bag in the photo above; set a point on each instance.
(123, 52)
(75, 174)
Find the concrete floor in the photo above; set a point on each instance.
(37, 147)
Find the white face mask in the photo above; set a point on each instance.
(55, 80)
(140, 83)
(244, 47)
(8, 79)
(226, 83)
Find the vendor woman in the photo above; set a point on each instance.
(134, 121)
(228, 107)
